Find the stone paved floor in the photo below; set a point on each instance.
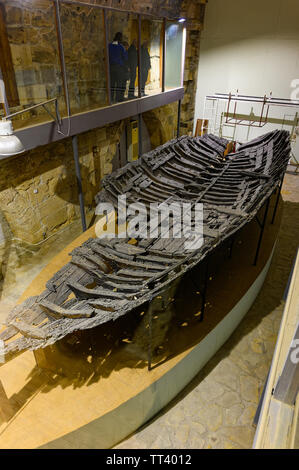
(217, 408)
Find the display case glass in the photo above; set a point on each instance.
(83, 37)
(175, 42)
(123, 55)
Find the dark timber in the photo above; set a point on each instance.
(107, 278)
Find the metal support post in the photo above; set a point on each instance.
(61, 56)
(277, 201)
(139, 56)
(79, 180)
(204, 292)
(262, 232)
(231, 248)
(140, 134)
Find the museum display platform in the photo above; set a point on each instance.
(93, 388)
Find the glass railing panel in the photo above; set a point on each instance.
(151, 56)
(174, 35)
(123, 55)
(30, 60)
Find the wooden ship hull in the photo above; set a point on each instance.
(107, 278)
(73, 400)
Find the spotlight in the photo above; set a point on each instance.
(10, 144)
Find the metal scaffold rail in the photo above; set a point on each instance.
(216, 116)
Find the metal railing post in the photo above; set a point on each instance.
(107, 56)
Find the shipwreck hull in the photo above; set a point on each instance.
(71, 402)
(106, 279)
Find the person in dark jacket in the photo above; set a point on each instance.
(133, 62)
(145, 65)
(117, 59)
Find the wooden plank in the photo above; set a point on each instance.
(198, 131)
(5, 407)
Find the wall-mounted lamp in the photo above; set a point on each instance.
(10, 144)
(182, 20)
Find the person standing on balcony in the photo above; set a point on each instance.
(145, 65)
(133, 62)
(117, 60)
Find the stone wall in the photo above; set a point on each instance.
(33, 42)
(161, 124)
(194, 12)
(39, 197)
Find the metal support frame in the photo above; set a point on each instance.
(163, 54)
(45, 133)
(150, 335)
(287, 387)
(230, 251)
(56, 118)
(67, 100)
(179, 118)
(203, 289)
(204, 292)
(233, 119)
(92, 4)
(79, 180)
(263, 119)
(61, 56)
(262, 227)
(140, 147)
(277, 200)
(105, 21)
(3, 93)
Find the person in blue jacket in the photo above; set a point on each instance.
(118, 58)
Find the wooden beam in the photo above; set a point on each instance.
(201, 127)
